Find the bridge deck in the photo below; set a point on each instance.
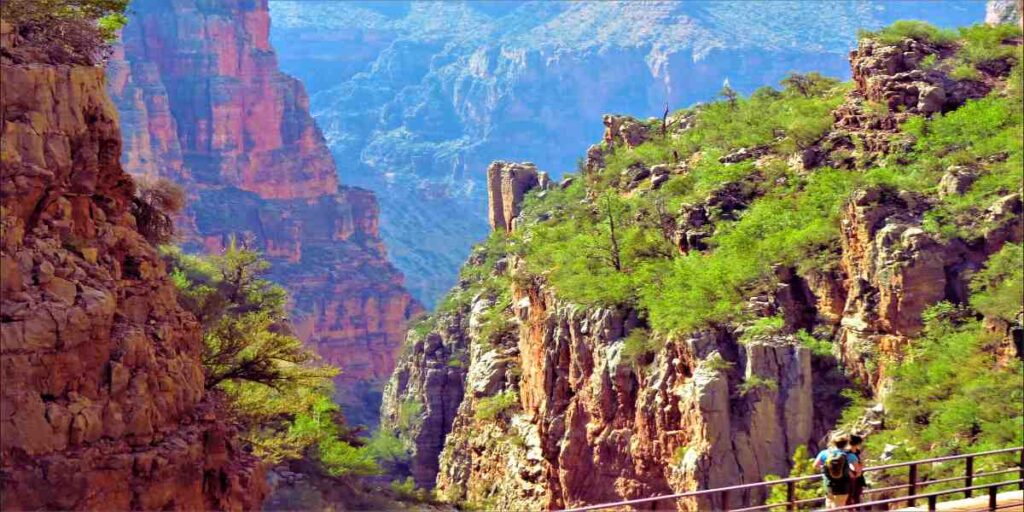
(1013, 501)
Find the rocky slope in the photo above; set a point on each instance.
(514, 397)
(204, 104)
(103, 400)
(418, 98)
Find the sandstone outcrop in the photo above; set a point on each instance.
(624, 131)
(103, 400)
(423, 395)
(507, 184)
(893, 270)
(204, 104)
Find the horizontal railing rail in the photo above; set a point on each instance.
(911, 486)
(932, 497)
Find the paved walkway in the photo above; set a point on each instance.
(1012, 501)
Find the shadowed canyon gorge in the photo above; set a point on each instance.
(490, 255)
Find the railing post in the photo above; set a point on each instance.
(791, 495)
(1021, 476)
(933, 502)
(969, 481)
(992, 497)
(725, 501)
(912, 487)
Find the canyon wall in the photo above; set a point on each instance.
(103, 397)
(204, 104)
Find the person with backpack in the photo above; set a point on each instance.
(855, 447)
(839, 468)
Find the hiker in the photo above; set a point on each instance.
(839, 468)
(859, 482)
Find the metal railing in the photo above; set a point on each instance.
(912, 486)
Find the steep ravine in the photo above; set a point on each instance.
(554, 406)
(103, 397)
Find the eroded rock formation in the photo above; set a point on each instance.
(103, 400)
(205, 105)
(507, 184)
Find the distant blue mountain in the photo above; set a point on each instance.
(415, 99)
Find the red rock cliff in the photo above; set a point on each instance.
(103, 400)
(204, 104)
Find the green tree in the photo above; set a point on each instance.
(808, 84)
(277, 389)
(998, 289)
(729, 94)
(154, 206)
(803, 465)
(246, 332)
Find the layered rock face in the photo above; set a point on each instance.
(103, 400)
(417, 98)
(589, 424)
(892, 270)
(205, 105)
(423, 396)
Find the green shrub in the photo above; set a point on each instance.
(717, 363)
(930, 61)
(754, 382)
(490, 407)
(787, 226)
(803, 465)
(638, 344)
(405, 489)
(408, 413)
(998, 289)
(910, 29)
(983, 134)
(983, 44)
(964, 71)
(67, 31)
(820, 348)
(495, 323)
(387, 448)
(339, 458)
(678, 455)
(276, 388)
(764, 326)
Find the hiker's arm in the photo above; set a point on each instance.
(857, 468)
(817, 463)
